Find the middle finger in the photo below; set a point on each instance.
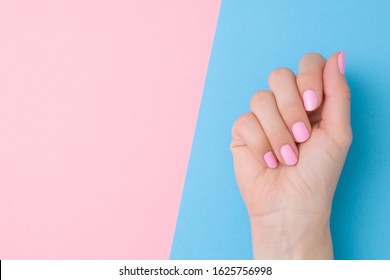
(282, 83)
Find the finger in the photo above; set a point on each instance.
(247, 131)
(336, 111)
(309, 80)
(282, 83)
(264, 106)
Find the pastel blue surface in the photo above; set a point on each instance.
(252, 38)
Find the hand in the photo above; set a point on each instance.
(288, 155)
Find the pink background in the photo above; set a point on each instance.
(98, 105)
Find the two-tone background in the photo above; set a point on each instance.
(115, 121)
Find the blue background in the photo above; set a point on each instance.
(252, 38)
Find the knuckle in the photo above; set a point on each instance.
(243, 119)
(277, 134)
(259, 98)
(306, 77)
(240, 122)
(313, 56)
(279, 74)
(290, 106)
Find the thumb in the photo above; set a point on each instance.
(336, 110)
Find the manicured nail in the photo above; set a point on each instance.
(300, 131)
(310, 100)
(341, 62)
(270, 160)
(288, 154)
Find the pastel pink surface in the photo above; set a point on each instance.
(98, 105)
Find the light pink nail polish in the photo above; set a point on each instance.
(310, 100)
(300, 131)
(270, 160)
(288, 154)
(341, 62)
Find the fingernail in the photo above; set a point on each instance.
(270, 159)
(341, 62)
(288, 154)
(310, 100)
(300, 131)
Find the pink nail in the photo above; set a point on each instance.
(300, 131)
(310, 100)
(270, 160)
(341, 62)
(288, 154)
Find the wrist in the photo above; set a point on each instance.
(288, 235)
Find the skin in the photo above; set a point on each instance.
(289, 206)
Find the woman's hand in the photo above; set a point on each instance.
(288, 155)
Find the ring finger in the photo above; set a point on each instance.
(264, 106)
